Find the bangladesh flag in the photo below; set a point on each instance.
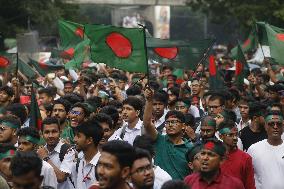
(122, 48)
(215, 80)
(26, 69)
(45, 66)
(248, 45)
(35, 117)
(179, 54)
(70, 34)
(242, 68)
(6, 62)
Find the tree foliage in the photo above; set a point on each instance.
(244, 11)
(42, 14)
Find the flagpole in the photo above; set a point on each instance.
(17, 65)
(205, 55)
(256, 28)
(146, 52)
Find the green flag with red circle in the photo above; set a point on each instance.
(242, 68)
(121, 48)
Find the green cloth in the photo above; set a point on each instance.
(121, 48)
(171, 157)
(35, 116)
(242, 68)
(44, 68)
(68, 134)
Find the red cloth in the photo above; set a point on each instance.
(239, 164)
(222, 181)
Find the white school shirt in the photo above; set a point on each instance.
(66, 166)
(161, 176)
(268, 164)
(49, 177)
(87, 171)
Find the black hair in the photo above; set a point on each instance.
(104, 118)
(189, 156)
(123, 77)
(161, 96)
(115, 103)
(230, 114)
(25, 162)
(123, 151)
(18, 110)
(256, 71)
(256, 109)
(186, 100)
(226, 124)
(174, 184)
(154, 85)
(95, 101)
(166, 68)
(73, 98)
(68, 82)
(12, 119)
(176, 114)
(28, 131)
(84, 107)
(174, 90)
(279, 113)
(145, 142)
(276, 105)
(47, 91)
(8, 90)
(112, 112)
(235, 93)
(141, 153)
(65, 103)
(91, 128)
(49, 121)
(134, 102)
(189, 120)
(134, 90)
(217, 97)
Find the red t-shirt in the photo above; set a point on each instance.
(239, 164)
(222, 181)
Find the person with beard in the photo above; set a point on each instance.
(46, 95)
(142, 172)
(267, 155)
(207, 128)
(237, 163)
(170, 148)
(160, 101)
(255, 132)
(87, 138)
(28, 141)
(61, 160)
(210, 175)
(6, 96)
(8, 128)
(114, 166)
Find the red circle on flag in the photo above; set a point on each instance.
(79, 32)
(212, 66)
(280, 36)
(209, 145)
(68, 54)
(119, 44)
(239, 68)
(4, 62)
(246, 43)
(168, 52)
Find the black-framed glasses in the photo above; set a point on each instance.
(273, 123)
(172, 122)
(142, 170)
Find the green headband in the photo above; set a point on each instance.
(31, 139)
(9, 124)
(211, 123)
(227, 130)
(9, 153)
(217, 148)
(270, 117)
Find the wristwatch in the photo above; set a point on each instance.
(46, 158)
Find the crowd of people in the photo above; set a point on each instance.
(104, 128)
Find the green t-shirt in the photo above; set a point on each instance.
(68, 134)
(171, 157)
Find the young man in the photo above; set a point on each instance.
(170, 148)
(8, 127)
(193, 157)
(132, 107)
(26, 169)
(216, 104)
(114, 165)
(59, 155)
(267, 155)
(142, 172)
(237, 163)
(244, 110)
(255, 132)
(210, 176)
(160, 101)
(7, 151)
(207, 128)
(45, 96)
(87, 137)
(60, 111)
(6, 96)
(28, 140)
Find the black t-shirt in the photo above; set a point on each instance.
(248, 137)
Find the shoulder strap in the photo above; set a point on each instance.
(122, 132)
(161, 127)
(63, 150)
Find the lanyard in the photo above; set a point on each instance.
(85, 178)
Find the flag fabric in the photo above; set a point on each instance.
(179, 54)
(248, 45)
(273, 37)
(122, 48)
(215, 81)
(7, 62)
(242, 68)
(26, 69)
(70, 34)
(35, 117)
(45, 66)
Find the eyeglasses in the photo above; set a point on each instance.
(172, 122)
(142, 170)
(213, 107)
(73, 112)
(3, 128)
(272, 124)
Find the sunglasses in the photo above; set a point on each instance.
(272, 124)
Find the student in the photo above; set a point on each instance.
(8, 128)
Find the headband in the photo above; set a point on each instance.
(227, 130)
(9, 153)
(31, 139)
(9, 124)
(215, 147)
(211, 123)
(271, 117)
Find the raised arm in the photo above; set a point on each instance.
(147, 117)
